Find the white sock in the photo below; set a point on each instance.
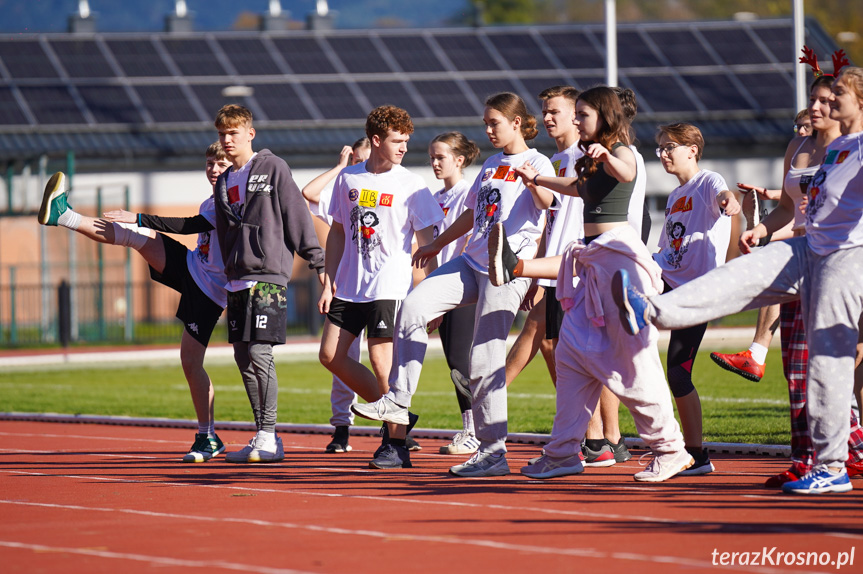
(467, 421)
(70, 219)
(759, 353)
(130, 235)
(211, 429)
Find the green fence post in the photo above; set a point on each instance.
(100, 289)
(13, 327)
(129, 332)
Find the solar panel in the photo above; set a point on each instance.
(633, 52)
(445, 99)
(167, 103)
(10, 112)
(772, 90)
(735, 47)
(249, 56)
(359, 55)
(778, 42)
(210, 96)
(52, 105)
(194, 57)
(280, 102)
(304, 56)
(26, 59)
(110, 104)
(380, 93)
(413, 53)
(82, 59)
(574, 50)
(138, 58)
(716, 92)
(335, 101)
(682, 48)
(520, 51)
(466, 52)
(485, 88)
(662, 93)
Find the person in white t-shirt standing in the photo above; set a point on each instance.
(449, 154)
(377, 208)
(695, 241)
(319, 193)
(497, 195)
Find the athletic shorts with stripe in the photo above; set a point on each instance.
(198, 312)
(378, 318)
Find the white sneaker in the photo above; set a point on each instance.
(242, 455)
(664, 466)
(384, 410)
(463, 442)
(482, 464)
(547, 467)
(268, 448)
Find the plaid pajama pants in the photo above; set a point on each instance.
(795, 358)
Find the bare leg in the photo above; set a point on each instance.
(689, 410)
(768, 320)
(335, 344)
(102, 231)
(604, 421)
(381, 358)
(203, 396)
(542, 268)
(547, 348)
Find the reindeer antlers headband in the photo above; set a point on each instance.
(809, 57)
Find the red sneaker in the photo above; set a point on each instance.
(778, 480)
(854, 468)
(741, 363)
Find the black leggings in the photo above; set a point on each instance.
(682, 350)
(456, 336)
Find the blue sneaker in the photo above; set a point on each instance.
(633, 305)
(818, 481)
(385, 434)
(392, 456)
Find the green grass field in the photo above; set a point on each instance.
(735, 410)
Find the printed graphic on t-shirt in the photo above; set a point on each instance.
(816, 198)
(550, 216)
(234, 201)
(203, 250)
(363, 234)
(488, 207)
(676, 232)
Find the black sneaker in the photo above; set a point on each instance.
(392, 456)
(501, 259)
(702, 463)
(385, 433)
(204, 448)
(621, 453)
(411, 444)
(339, 443)
(462, 384)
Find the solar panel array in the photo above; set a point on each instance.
(680, 70)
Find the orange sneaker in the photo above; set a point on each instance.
(741, 363)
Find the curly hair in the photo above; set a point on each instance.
(382, 119)
(613, 127)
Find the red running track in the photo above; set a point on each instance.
(94, 498)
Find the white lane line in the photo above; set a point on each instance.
(153, 560)
(400, 536)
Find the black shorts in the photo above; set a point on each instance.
(198, 312)
(378, 318)
(553, 314)
(259, 313)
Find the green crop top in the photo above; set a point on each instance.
(606, 200)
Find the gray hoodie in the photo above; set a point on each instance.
(275, 224)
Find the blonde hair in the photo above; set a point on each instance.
(852, 77)
(233, 115)
(216, 150)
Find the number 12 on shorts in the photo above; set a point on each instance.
(260, 321)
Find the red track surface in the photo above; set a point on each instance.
(94, 498)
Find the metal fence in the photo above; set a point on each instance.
(119, 312)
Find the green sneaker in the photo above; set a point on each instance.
(53, 200)
(204, 448)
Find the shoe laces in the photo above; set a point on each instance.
(650, 463)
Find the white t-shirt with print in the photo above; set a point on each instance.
(565, 218)
(635, 215)
(498, 195)
(834, 214)
(380, 213)
(452, 202)
(237, 181)
(205, 262)
(696, 234)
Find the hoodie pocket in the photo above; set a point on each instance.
(249, 256)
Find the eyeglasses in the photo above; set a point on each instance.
(803, 127)
(667, 148)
